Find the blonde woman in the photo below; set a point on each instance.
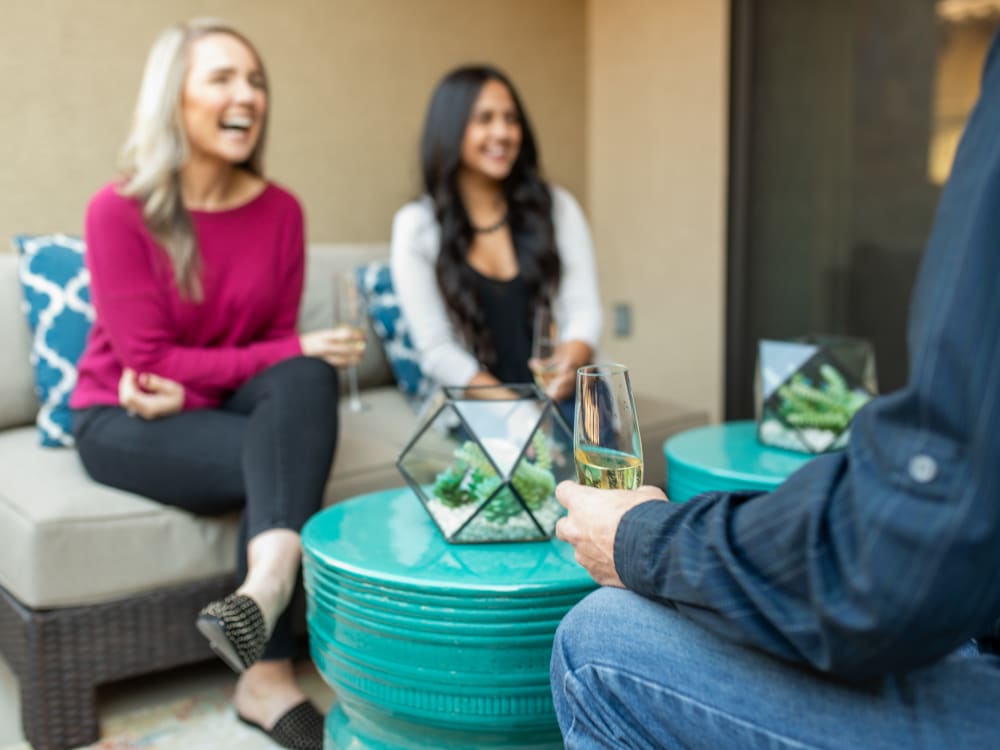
(195, 388)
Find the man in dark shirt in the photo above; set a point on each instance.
(848, 607)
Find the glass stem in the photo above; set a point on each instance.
(354, 403)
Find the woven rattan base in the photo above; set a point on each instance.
(61, 655)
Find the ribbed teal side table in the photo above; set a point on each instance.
(430, 645)
(725, 457)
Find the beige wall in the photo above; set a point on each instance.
(657, 77)
(351, 79)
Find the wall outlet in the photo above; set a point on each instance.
(623, 319)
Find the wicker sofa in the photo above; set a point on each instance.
(98, 585)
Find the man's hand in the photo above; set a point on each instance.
(149, 396)
(592, 522)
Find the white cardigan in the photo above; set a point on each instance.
(443, 356)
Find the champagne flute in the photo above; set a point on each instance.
(606, 443)
(350, 312)
(544, 340)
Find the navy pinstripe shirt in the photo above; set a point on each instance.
(885, 556)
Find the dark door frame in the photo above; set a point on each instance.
(739, 350)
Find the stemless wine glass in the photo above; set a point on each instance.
(606, 442)
(544, 340)
(350, 312)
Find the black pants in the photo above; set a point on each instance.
(266, 451)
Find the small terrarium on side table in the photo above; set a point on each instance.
(486, 462)
(809, 389)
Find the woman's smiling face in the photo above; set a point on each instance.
(492, 137)
(224, 99)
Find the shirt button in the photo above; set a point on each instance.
(923, 468)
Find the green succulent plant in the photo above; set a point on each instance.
(472, 478)
(828, 406)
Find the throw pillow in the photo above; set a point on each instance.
(56, 287)
(375, 282)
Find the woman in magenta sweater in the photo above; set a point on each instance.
(195, 388)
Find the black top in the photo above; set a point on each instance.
(505, 307)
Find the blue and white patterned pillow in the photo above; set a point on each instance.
(56, 287)
(375, 282)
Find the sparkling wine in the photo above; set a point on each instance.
(350, 313)
(608, 469)
(545, 375)
(354, 330)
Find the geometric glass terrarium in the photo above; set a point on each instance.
(485, 464)
(809, 389)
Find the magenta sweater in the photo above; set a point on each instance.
(252, 260)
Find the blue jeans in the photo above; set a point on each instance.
(630, 673)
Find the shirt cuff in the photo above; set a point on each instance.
(640, 542)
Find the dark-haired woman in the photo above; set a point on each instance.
(489, 244)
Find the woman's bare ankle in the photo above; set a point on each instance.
(271, 597)
(266, 691)
(273, 559)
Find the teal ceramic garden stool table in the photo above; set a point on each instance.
(725, 457)
(428, 644)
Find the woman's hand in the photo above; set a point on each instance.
(149, 396)
(343, 346)
(495, 391)
(558, 372)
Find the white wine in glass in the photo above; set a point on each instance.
(544, 340)
(607, 446)
(351, 312)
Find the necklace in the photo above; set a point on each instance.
(492, 227)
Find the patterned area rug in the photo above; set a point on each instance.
(205, 721)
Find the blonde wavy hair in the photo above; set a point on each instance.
(157, 147)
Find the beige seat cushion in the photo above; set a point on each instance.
(369, 442)
(69, 541)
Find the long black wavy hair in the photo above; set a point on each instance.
(529, 206)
